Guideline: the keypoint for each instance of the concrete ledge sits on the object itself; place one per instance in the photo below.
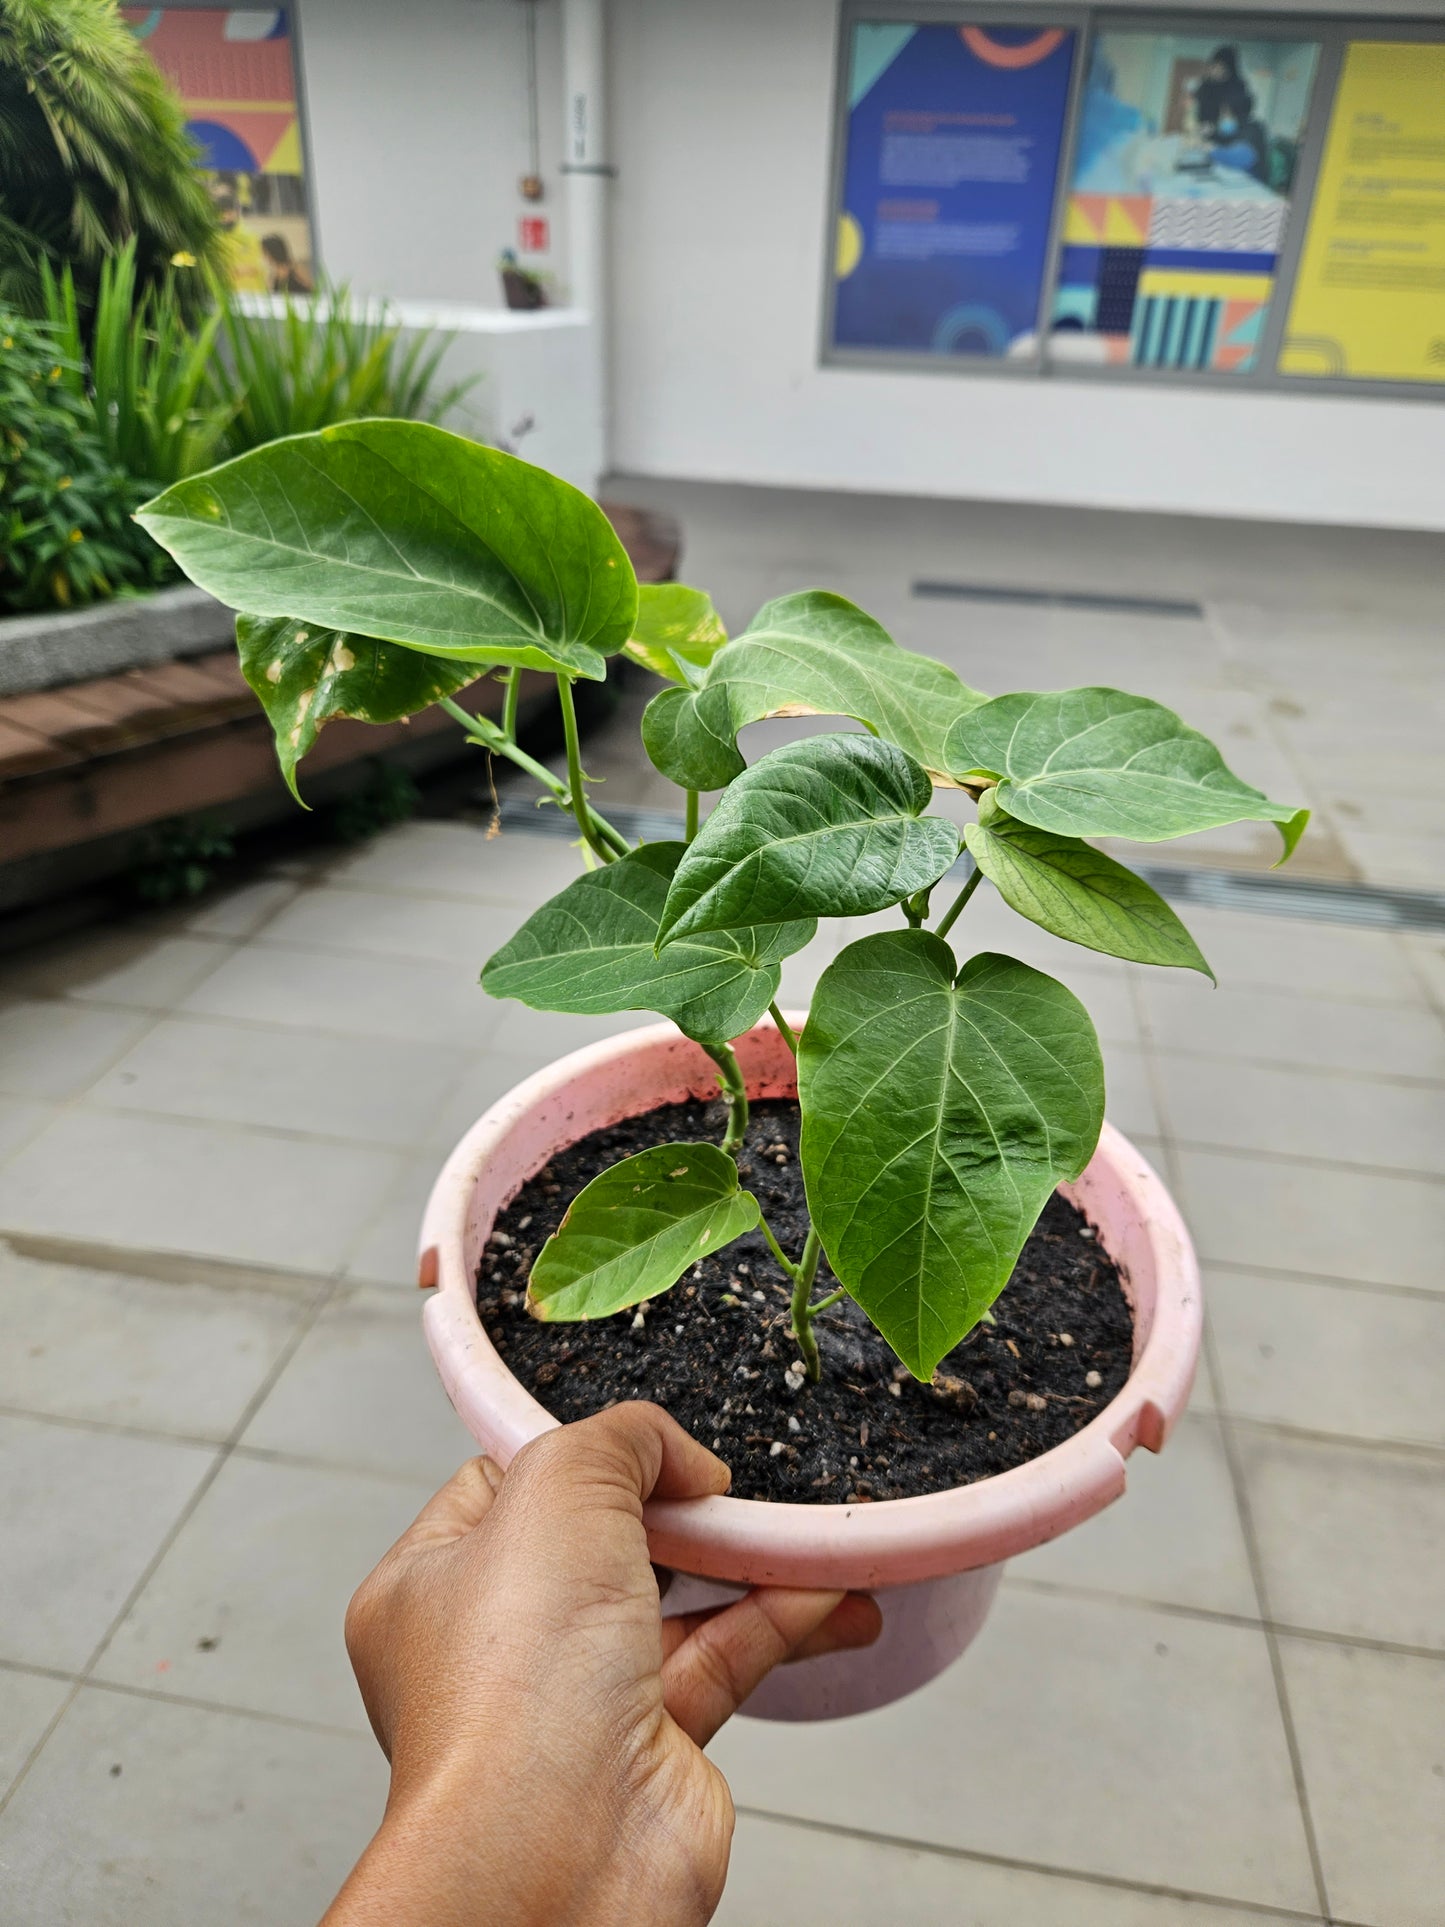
(48, 651)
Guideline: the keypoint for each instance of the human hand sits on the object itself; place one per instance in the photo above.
(544, 1724)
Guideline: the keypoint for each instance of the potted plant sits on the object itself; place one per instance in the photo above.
(886, 1256)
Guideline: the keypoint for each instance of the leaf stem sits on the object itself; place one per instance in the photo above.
(509, 703)
(950, 915)
(826, 1304)
(785, 1029)
(804, 1272)
(693, 799)
(790, 1270)
(576, 782)
(483, 730)
(730, 1077)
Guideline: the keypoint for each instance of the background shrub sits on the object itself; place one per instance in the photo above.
(66, 536)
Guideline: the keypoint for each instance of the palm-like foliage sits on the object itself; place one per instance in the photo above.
(93, 150)
(146, 371)
(322, 360)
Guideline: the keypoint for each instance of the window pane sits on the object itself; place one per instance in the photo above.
(953, 142)
(1183, 169)
(1369, 297)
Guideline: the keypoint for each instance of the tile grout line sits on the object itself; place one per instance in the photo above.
(154, 1693)
(1113, 1883)
(1243, 1510)
(304, 1325)
(1210, 1615)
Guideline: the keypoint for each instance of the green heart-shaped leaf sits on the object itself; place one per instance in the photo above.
(636, 1229)
(811, 654)
(1077, 892)
(1097, 762)
(404, 532)
(829, 827)
(677, 632)
(688, 735)
(939, 1113)
(592, 949)
(306, 677)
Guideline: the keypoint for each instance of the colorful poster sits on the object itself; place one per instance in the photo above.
(233, 70)
(1183, 168)
(1369, 295)
(953, 144)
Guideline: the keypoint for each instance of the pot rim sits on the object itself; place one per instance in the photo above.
(889, 1541)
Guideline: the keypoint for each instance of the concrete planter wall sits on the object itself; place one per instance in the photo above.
(49, 651)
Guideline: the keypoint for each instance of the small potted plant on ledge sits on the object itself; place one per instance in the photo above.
(885, 1256)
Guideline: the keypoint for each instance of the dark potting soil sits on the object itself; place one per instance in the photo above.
(716, 1348)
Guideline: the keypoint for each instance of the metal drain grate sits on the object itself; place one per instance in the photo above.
(1367, 906)
(1126, 605)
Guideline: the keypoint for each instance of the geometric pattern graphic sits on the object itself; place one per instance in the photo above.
(233, 70)
(1184, 157)
(1107, 220)
(1230, 227)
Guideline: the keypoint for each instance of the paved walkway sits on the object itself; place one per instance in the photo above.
(1220, 1702)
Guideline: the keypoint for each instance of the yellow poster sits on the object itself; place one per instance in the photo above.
(1369, 298)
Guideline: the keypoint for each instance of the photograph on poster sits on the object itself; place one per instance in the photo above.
(234, 71)
(953, 139)
(1369, 294)
(1183, 168)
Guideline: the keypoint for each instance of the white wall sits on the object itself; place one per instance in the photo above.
(721, 114)
(417, 114)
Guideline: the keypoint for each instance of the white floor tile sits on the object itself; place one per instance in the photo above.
(54, 1050)
(1369, 1727)
(143, 1812)
(1174, 1537)
(201, 1189)
(1101, 1738)
(116, 1349)
(262, 1571)
(784, 1875)
(81, 1515)
(1351, 1538)
(1330, 1358)
(362, 1392)
(374, 1089)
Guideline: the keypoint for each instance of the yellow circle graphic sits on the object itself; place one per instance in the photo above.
(850, 246)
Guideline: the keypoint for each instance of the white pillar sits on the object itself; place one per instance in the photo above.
(585, 164)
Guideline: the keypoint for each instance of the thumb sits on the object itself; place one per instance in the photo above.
(461, 1505)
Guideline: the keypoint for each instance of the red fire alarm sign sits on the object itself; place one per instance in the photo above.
(533, 236)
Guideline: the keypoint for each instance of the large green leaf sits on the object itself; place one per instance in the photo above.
(813, 654)
(1098, 762)
(1077, 892)
(938, 1116)
(306, 677)
(677, 632)
(832, 826)
(404, 532)
(593, 949)
(636, 1229)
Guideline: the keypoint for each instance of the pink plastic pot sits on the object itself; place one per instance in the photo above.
(934, 1562)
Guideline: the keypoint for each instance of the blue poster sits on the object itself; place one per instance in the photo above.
(948, 186)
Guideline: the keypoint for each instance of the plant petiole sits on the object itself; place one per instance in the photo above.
(693, 800)
(576, 781)
(730, 1077)
(483, 730)
(951, 914)
(509, 704)
(785, 1029)
(804, 1272)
